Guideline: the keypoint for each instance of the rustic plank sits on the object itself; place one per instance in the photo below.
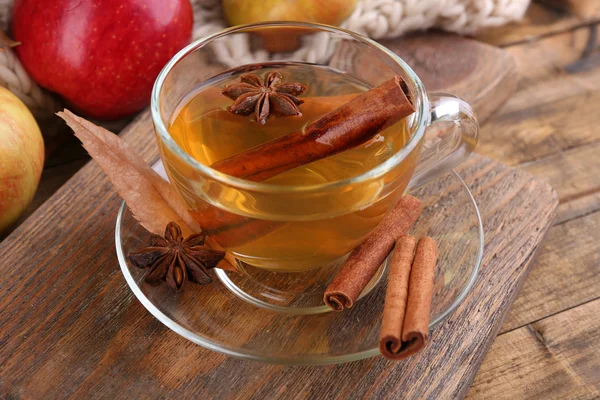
(483, 75)
(578, 207)
(53, 177)
(574, 175)
(566, 273)
(555, 358)
(585, 9)
(91, 336)
(552, 120)
(554, 107)
(541, 20)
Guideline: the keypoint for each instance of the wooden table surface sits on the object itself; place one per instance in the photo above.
(549, 346)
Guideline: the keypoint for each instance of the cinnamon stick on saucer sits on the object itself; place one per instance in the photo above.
(365, 259)
(405, 325)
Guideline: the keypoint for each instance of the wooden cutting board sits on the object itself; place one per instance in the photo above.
(481, 74)
(70, 326)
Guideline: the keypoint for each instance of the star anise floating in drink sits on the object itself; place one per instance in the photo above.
(174, 259)
(264, 98)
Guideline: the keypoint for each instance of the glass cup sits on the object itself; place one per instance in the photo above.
(286, 228)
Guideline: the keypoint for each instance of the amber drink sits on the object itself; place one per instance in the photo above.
(287, 225)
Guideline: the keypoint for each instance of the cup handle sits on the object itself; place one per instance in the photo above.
(449, 139)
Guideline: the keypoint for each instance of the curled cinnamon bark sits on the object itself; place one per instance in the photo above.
(365, 259)
(397, 295)
(231, 230)
(405, 325)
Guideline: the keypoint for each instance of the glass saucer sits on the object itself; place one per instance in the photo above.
(219, 317)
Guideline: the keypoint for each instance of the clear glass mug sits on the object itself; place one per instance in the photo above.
(287, 228)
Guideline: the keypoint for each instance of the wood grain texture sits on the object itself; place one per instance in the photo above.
(554, 107)
(549, 127)
(541, 20)
(483, 75)
(555, 358)
(91, 336)
(584, 9)
(574, 174)
(566, 273)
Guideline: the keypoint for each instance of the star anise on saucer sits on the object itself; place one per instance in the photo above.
(174, 259)
(264, 98)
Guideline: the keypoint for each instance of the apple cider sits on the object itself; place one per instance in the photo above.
(291, 227)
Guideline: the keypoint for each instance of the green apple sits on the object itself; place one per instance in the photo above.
(21, 157)
(330, 12)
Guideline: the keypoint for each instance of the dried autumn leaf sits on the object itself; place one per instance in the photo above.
(151, 199)
(5, 40)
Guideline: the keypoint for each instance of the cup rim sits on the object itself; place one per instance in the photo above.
(422, 113)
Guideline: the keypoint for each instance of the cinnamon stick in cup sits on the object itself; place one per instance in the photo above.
(365, 259)
(231, 230)
(405, 325)
(344, 128)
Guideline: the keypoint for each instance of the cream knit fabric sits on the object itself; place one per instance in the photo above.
(391, 18)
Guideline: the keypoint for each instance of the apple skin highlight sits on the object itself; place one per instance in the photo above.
(101, 56)
(21, 158)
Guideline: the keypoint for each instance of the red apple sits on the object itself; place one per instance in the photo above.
(21, 157)
(102, 56)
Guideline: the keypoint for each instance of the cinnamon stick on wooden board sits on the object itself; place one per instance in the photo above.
(344, 128)
(405, 325)
(365, 259)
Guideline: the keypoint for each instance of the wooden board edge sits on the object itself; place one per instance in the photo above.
(508, 83)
